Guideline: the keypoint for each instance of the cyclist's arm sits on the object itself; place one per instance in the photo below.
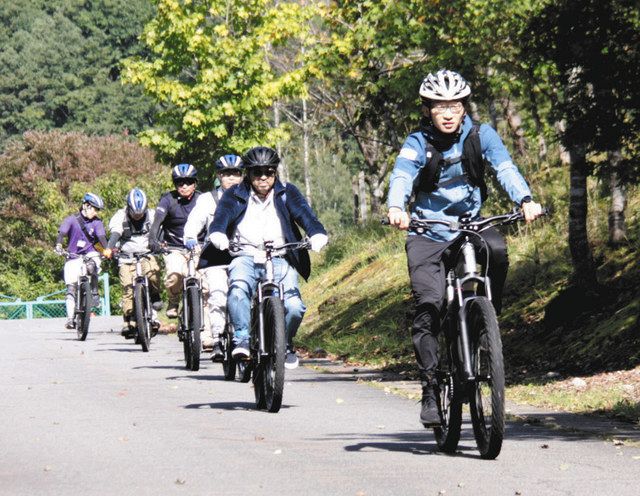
(115, 228)
(409, 162)
(503, 167)
(198, 217)
(223, 214)
(158, 219)
(302, 212)
(64, 230)
(101, 234)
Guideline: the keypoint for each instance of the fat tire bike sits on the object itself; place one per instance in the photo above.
(470, 362)
(268, 344)
(191, 318)
(83, 303)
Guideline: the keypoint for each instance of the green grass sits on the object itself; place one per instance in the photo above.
(359, 303)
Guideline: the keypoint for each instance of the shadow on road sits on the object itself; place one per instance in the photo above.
(197, 377)
(230, 405)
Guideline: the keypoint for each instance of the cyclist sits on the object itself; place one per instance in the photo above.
(129, 233)
(86, 235)
(229, 173)
(259, 209)
(171, 215)
(444, 170)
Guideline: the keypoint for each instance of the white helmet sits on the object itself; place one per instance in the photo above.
(444, 85)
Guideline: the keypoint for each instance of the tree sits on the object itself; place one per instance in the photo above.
(209, 69)
(59, 67)
(594, 50)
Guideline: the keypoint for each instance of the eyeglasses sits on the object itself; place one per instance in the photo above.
(441, 108)
(263, 171)
(232, 172)
(184, 182)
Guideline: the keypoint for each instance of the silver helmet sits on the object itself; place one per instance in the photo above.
(444, 85)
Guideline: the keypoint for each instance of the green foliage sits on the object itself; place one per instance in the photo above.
(210, 68)
(43, 178)
(59, 66)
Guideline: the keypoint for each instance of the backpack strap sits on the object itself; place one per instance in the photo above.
(473, 162)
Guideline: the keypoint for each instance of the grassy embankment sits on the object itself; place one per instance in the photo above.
(359, 308)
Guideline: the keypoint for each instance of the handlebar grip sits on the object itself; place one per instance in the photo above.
(385, 222)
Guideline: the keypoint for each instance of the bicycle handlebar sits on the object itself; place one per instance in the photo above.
(235, 246)
(468, 224)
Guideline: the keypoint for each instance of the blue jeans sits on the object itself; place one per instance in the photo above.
(244, 275)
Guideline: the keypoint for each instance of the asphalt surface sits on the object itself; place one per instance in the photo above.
(102, 417)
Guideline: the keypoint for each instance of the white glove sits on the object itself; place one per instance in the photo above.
(219, 240)
(318, 241)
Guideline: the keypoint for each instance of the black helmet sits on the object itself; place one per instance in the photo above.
(261, 156)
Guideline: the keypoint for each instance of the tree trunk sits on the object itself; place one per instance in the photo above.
(362, 193)
(584, 272)
(493, 114)
(565, 156)
(356, 199)
(305, 147)
(284, 170)
(617, 223)
(515, 126)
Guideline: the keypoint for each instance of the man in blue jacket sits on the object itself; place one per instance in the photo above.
(260, 209)
(445, 172)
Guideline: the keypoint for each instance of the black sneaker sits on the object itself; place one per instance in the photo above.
(291, 360)
(155, 327)
(429, 415)
(70, 324)
(157, 305)
(217, 355)
(128, 332)
(241, 350)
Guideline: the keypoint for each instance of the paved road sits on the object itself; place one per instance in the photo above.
(101, 417)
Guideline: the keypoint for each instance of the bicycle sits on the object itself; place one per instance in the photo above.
(470, 362)
(268, 337)
(146, 326)
(191, 318)
(83, 303)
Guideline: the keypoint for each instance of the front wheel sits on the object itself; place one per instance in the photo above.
(142, 316)
(193, 313)
(487, 392)
(449, 398)
(272, 364)
(228, 363)
(83, 310)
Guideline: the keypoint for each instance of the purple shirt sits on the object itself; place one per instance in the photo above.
(79, 244)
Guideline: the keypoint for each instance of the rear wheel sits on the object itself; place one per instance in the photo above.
(194, 317)
(142, 316)
(83, 310)
(449, 398)
(487, 393)
(272, 365)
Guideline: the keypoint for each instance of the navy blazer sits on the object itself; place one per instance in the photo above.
(292, 209)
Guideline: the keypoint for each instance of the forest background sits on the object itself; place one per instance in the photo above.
(104, 95)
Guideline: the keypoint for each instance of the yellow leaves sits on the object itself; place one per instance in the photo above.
(193, 118)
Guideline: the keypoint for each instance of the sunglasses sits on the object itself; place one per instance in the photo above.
(184, 182)
(229, 173)
(262, 171)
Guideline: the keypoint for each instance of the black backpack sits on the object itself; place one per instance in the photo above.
(473, 164)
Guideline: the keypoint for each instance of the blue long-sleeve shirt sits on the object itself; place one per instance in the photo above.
(454, 195)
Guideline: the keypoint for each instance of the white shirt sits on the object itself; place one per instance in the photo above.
(259, 224)
(202, 215)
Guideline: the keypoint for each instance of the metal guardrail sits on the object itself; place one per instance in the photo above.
(44, 308)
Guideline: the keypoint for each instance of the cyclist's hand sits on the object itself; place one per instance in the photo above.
(190, 244)
(154, 246)
(318, 242)
(219, 240)
(58, 249)
(107, 253)
(398, 218)
(531, 210)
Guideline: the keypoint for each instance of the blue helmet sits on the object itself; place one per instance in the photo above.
(136, 202)
(184, 171)
(93, 200)
(229, 162)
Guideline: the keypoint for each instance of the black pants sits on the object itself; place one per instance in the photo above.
(428, 263)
